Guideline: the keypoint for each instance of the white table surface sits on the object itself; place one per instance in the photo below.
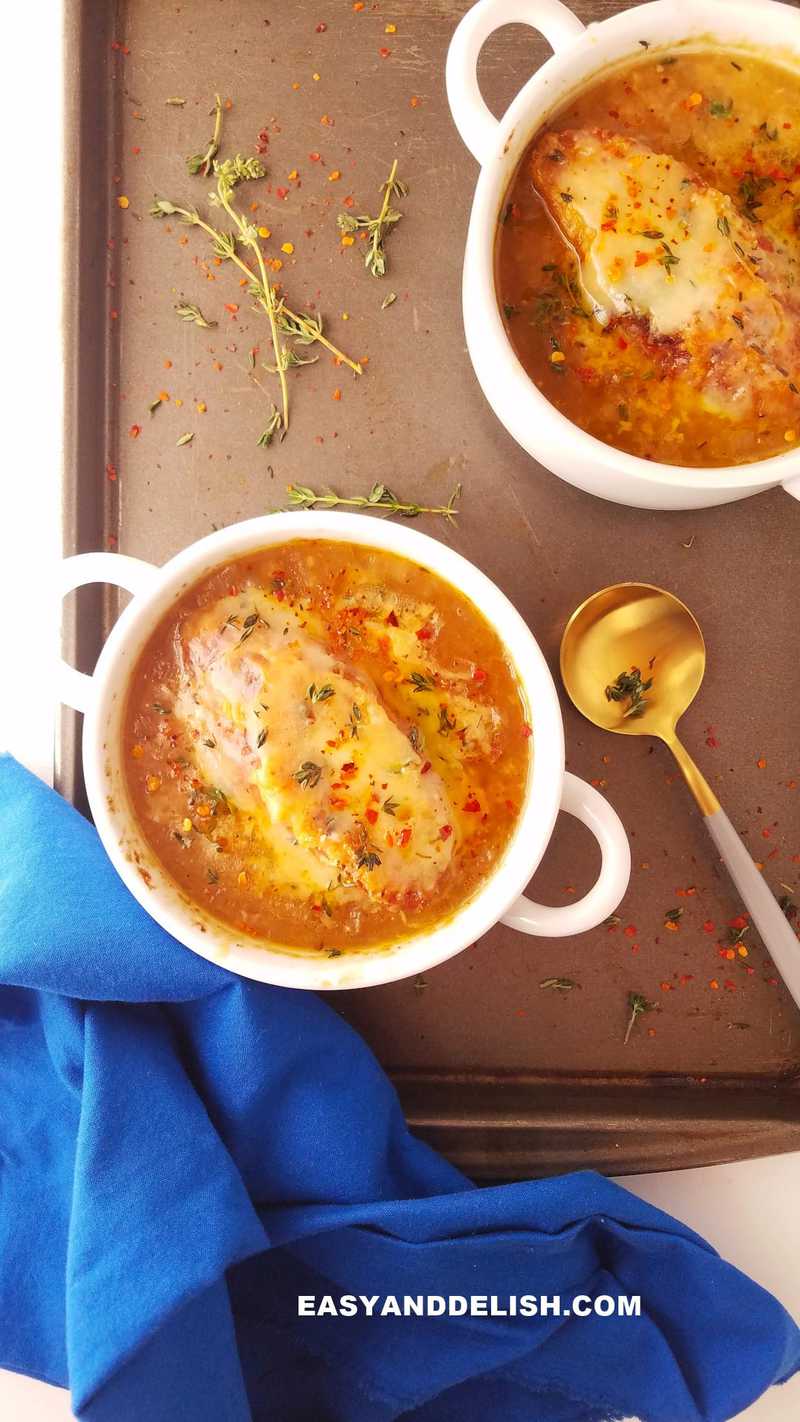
(748, 1211)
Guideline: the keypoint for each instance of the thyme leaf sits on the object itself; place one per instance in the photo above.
(202, 162)
(187, 311)
(630, 687)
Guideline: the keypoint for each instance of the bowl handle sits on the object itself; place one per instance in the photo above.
(133, 574)
(581, 800)
(474, 121)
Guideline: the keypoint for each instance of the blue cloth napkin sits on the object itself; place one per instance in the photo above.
(183, 1154)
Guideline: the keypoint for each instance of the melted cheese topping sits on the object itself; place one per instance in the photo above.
(301, 743)
(655, 242)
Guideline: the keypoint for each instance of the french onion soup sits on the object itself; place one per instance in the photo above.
(326, 746)
(648, 258)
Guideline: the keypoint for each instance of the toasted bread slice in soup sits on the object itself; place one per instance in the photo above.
(656, 245)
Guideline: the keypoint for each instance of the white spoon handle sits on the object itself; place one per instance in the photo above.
(776, 932)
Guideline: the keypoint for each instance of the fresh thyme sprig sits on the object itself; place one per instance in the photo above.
(204, 162)
(378, 227)
(379, 498)
(282, 320)
(638, 1005)
(629, 686)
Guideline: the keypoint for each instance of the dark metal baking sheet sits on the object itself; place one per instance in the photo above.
(508, 1079)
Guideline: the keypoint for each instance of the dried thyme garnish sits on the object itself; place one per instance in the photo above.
(637, 1005)
(308, 775)
(629, 686)
(559, 984)
(319, 693)
(203, 162)
(378, 227)
(420, 682)
(380, 498)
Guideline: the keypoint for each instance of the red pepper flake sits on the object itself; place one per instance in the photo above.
(405, 836)
(739, 922)
(384, 52)
(321, 27)
(666, 987)
(445, 831)
(315, 157)
(327, 121)
(135, 431)
(712, 742)
(232, 306)
(392, 620)
(709, 926)
(425, 634)
(479, 674)
(471, 806)
(527, 730)
(630, 930)
(349, 767)
(415, 101)
(425, 767)
(730, 985)
(714, 984)
(765, 833)
(282, 193)
(371, 816)
(622, 343)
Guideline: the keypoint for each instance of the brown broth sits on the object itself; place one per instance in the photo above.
(381, 623)
(742, 138)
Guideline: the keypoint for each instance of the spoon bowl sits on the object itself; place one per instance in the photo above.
(633, 625)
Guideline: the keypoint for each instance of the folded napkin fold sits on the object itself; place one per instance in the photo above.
(183, 1154)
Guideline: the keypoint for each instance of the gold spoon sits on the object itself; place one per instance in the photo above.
(635, 626)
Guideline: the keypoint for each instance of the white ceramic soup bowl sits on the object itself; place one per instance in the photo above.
(101, 697)
(579, 53)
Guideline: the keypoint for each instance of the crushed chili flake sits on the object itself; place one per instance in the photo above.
(321, 27)
(135, 431)
(471, 806)
(384, 52)
(415, 101)
(445, 831)
(425, 767)
(405, 836)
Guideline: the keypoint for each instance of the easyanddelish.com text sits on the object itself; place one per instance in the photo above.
(468, 1305)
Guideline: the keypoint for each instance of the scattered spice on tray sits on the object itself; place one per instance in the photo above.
(185, 439)
(559, 984)
(203, 163)
(672, 919)
(377, 228)
(637, 1006)
(175, 103)
(380, 499)
(630, 687)
(187, 311)
(283, 322)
